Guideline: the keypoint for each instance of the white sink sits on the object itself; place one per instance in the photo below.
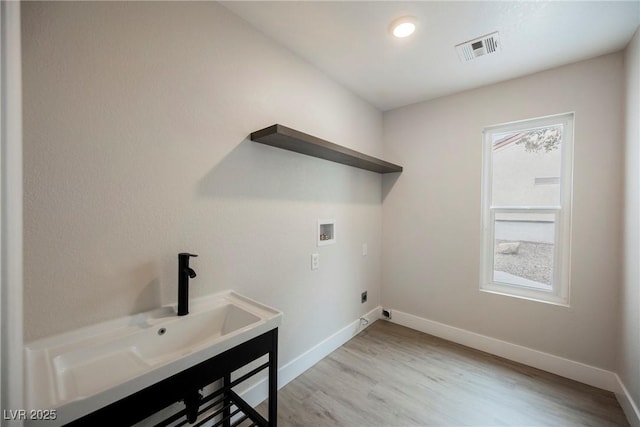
(83, 370)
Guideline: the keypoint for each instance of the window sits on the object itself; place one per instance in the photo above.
(526, 208)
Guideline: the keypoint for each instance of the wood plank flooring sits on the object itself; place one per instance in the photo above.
(390, 375)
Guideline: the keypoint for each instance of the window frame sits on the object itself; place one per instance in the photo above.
(561, 279)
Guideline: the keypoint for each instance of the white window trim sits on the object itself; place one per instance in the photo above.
(11, 307)
(562, 261)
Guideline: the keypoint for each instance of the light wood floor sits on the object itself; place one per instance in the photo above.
(390, 375)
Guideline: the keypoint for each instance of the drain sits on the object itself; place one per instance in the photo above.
(162, 331)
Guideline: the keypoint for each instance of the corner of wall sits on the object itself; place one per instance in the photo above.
(258, 392)
(11, 307)
(627, 403)
(629, 348)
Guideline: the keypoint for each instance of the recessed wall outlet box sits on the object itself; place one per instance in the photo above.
(386, 313)
(315, 261)
(363, 297)
(326, 231)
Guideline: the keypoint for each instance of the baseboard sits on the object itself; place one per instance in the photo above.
(567, 368)
(255, 394)
(629, 406)
(577, 371)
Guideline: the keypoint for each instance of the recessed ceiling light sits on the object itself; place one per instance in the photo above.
(403, 27)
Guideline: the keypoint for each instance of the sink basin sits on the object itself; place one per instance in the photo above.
(80, 371)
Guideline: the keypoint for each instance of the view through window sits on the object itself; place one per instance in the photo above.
(526, 212)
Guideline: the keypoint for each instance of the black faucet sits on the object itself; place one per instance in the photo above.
(184, 274)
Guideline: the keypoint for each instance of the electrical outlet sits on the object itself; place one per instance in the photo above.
(365, 249)
(363, 297)
(315, 261)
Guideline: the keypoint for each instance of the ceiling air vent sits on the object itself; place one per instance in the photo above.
(484, 45)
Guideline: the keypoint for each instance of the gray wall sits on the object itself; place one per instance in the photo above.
(629, 367)
(136, 117)
(431, 214)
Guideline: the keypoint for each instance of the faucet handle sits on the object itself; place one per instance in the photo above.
(185, 254)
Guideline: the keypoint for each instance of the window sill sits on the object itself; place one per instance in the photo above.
(529, 296)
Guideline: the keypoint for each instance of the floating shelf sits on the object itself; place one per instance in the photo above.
(293, 140)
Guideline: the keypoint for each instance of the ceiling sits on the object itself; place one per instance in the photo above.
(350, 41)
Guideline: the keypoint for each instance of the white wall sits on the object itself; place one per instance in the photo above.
(136, 117)
(629, 366)
(431, 213)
